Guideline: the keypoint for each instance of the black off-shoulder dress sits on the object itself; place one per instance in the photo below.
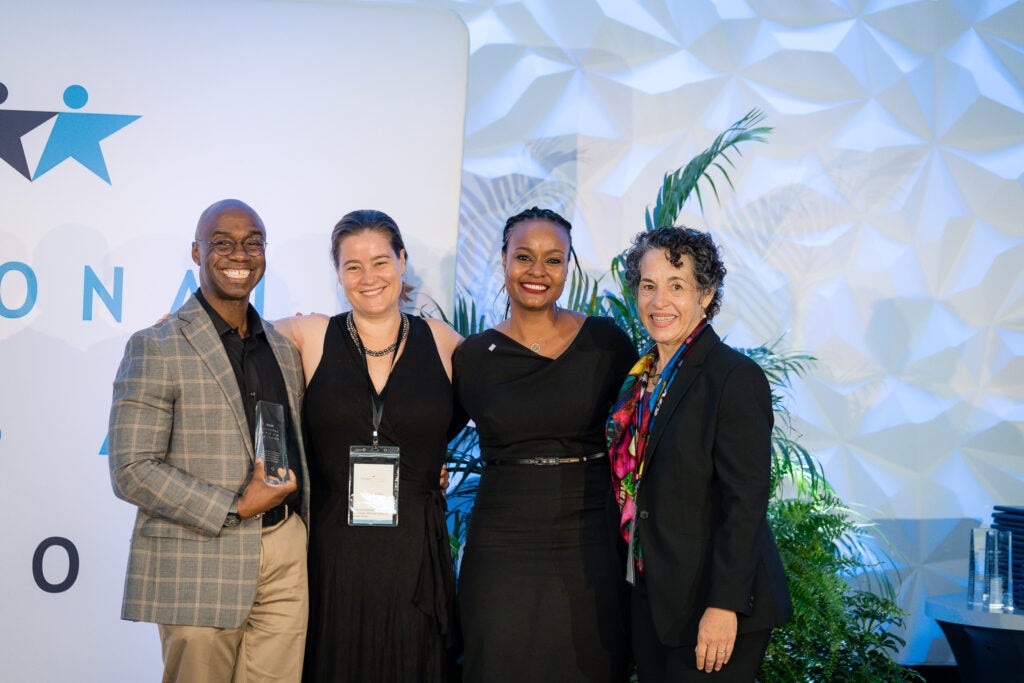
(541, 588)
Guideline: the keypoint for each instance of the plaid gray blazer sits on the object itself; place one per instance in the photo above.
(179, 450)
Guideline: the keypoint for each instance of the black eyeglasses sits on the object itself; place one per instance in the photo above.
(253, 246)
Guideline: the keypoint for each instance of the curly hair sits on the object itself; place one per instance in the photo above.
(708, 269)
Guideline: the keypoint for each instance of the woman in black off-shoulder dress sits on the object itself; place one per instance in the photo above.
(541, 586)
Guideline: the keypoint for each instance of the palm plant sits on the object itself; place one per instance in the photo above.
(678, 185)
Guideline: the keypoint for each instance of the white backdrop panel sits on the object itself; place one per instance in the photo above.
(879, 229)
(306, 111)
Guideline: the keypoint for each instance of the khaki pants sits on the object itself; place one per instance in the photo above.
(270, 645)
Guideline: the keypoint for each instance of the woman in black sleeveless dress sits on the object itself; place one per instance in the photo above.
(373, 590)
(381, 597)
(542, 588)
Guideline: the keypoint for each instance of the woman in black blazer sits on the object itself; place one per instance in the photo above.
(690, 445)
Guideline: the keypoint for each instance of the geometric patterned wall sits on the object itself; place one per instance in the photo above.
(880, 229)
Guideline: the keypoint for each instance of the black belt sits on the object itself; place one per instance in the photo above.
(275, 516)
(545, 460)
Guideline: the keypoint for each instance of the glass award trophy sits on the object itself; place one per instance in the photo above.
(990, 572)
(271, 445)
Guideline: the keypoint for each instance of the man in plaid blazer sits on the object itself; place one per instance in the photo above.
(218, 554)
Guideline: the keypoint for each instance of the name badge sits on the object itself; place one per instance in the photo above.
(373, 486)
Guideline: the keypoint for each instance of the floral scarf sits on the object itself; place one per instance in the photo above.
(629, 427)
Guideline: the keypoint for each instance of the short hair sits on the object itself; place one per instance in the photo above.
(708, 269)
(363, 220)
(366, 220)
(213, 212)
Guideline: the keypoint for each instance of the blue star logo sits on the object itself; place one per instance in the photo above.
(75, 135)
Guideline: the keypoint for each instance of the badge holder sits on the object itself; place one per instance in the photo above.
(373, 486)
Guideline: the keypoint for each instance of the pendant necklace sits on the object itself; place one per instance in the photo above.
(535, 346)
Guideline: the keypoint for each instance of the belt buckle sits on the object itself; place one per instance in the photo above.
(547, 460)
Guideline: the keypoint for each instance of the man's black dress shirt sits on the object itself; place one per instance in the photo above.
(258, 374)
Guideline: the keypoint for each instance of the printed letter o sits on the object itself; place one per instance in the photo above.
(37, 564)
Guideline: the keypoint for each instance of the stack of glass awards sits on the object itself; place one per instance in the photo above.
(989, 580)
(990, 575)
(1011, 520)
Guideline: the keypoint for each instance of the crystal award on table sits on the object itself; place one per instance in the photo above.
(271, 446)
(990, 572)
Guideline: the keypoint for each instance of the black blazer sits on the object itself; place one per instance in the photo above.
(702, 501)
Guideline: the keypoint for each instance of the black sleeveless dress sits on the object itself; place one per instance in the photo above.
(542, 591)
(381, 598)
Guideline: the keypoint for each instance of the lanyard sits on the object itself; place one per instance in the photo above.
(634, 555)
(653, 404)
(378, 406)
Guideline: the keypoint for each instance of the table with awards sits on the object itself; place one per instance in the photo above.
(1010, 518)
(985, 625)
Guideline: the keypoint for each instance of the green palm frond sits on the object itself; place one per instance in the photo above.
(464, 318)
(792, 464)
(621, 306)
(779, 366)
(678, 185)
(583, 294)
